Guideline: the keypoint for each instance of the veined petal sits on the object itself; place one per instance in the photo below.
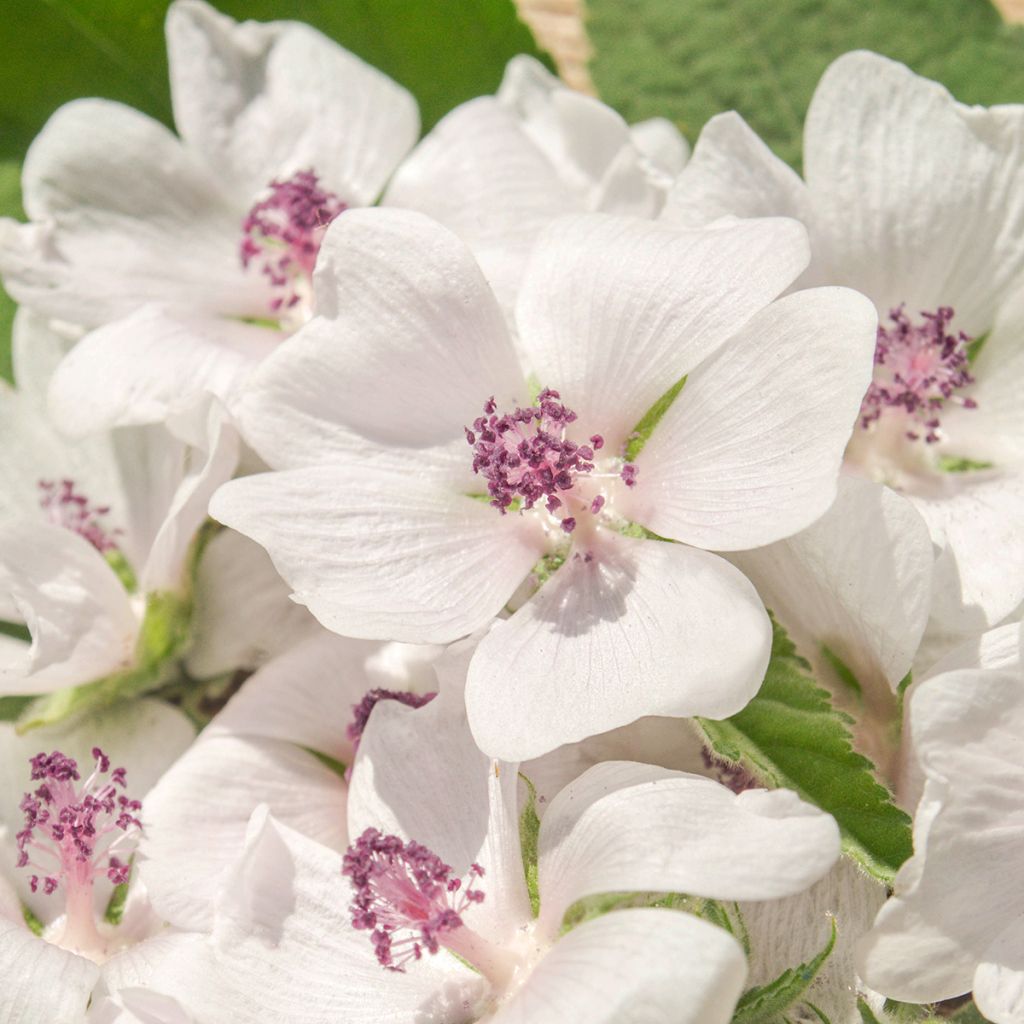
(120, 199)
(634, 967)
(624, 629)
(262, 101)
(613, 311)
(384, 554)
(407, 346)
(151, 364)
(197, 816)
(624, 826)
(750, 451)
(999, 979)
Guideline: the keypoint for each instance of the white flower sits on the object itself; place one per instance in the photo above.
(68, 877)
(92, 534)
(918, 202)
(497, 170)
(173, 243)
(383, 529)
(953, 924)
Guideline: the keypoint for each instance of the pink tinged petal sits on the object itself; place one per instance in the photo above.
(381, 553)
(478, 173)
(120, 199)
(282, 947)
(76, 609)
(198, 813)
(948, 227)
(963, 885)
(624, 826)
(206, 466)
(750, 451)
(634, 967)
(151, 364)
(407, 345)
(463, 806)
(42, 982)
(641, 628)
(613, 311)
(304, 696)
(733, 173)
(265, 100)
(979, 575)
(858, 581)
(999, 980)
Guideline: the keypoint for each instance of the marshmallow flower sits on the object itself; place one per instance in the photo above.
(93, 535)
(435, 868)
(432, 473)
(64, 844)
(498, 169)
(933, 234)
(196, 251)
(953, 924)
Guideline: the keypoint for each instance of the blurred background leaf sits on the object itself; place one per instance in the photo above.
(690, 59)
(444, 52)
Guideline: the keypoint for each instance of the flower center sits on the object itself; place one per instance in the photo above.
(918, 368)
(526, 458)
(71, 509)
(72, 835)
(281, 235)
(406, 897)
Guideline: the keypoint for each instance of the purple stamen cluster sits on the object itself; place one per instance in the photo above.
(69, 508)
(405, 896)
(70, 825)
(734, 776)
(525, 455)
(918, 367)
(283, 232)
(361, 711)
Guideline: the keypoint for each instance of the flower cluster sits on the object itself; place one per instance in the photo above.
(535, 508)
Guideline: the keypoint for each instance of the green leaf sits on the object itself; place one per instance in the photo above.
(643, 430)
(790, 735)
(529, 834)
(444, 53)
(866, 1016)
(689, 61)
(843, 671)
(11, 708)
(10, 206)
(761, 1005)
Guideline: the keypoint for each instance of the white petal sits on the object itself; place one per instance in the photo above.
(732, 172)
(624, 827)
(75, 607)
(858, 581)
(999, 980)
(997, 649)
(42, 982)
(634, 967)
(121, 200)
(205, 470)
(145, 737)
(901, 218)
(242, 613)
(462, 805)
(979, 576)
(408, 345)
(480, 175)
(262, 101)
(146, 366)
(963, 885)
(197, 817)
(642, 628)
(613, 311)
(305, 696)
(750, 451)
(383, 554)
(661, 142)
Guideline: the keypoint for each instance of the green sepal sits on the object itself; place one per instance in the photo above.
(650, 419)
(763, 1004)
(118, 898)
(529, 835)
(11, 708)
(791, 736)
(955, 464)
(843, 671)
(122, 570)
(34, 925)
(338, 767)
